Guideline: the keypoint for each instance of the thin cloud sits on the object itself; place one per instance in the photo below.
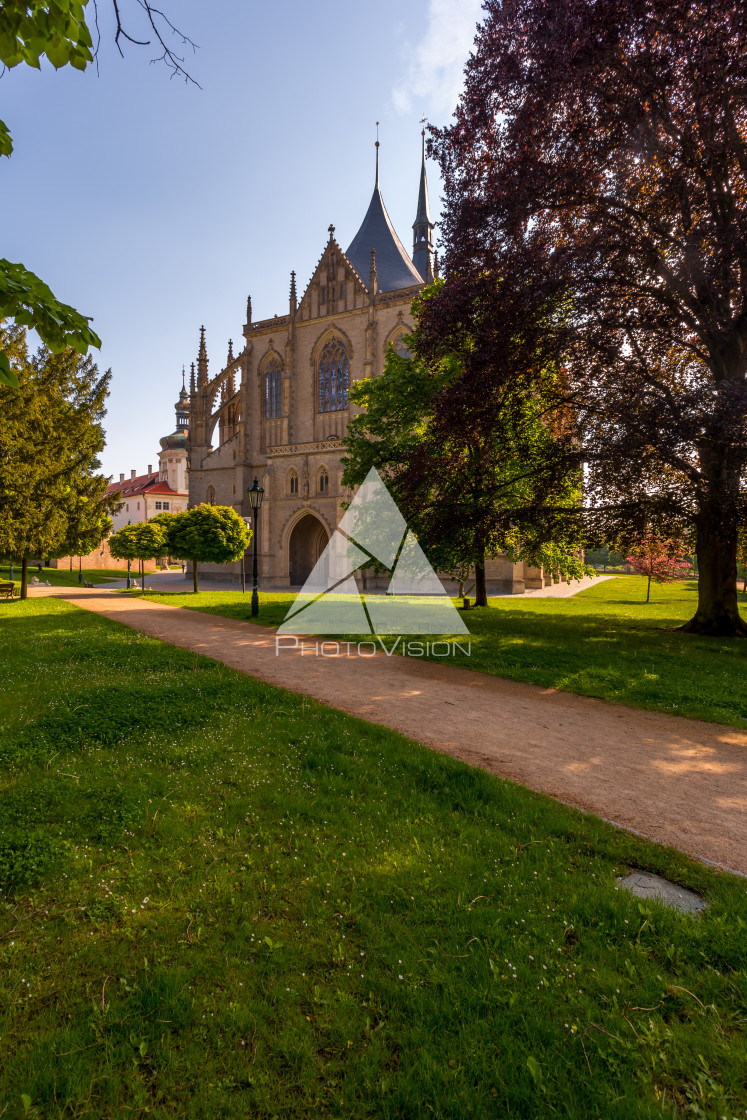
(434, 76)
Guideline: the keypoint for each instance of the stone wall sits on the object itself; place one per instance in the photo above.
(101, 558)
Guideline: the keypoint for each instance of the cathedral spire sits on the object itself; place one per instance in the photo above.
(248, 310)
(376, 185)
(192, 388)
(395, 269)
(422, 227)
(293, 299)
(202, 360)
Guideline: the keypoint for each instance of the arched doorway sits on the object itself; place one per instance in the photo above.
(307, 543)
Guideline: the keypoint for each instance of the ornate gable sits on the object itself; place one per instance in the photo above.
(335, 285)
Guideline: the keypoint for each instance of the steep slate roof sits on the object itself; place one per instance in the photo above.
(393, 266)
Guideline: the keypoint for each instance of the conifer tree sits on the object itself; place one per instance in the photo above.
(52, 495)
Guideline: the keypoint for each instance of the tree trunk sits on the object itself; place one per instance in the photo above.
(194, 575)
(718, 610)
(24, 577)
(648, 589)
(481, 593)
(142, 576)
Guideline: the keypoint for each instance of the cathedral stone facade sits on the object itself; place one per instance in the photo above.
(279, 409)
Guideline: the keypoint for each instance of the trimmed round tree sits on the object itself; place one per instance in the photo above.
(142, 541)
(207, 535)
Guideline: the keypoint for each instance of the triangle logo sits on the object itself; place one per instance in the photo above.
(372, 528)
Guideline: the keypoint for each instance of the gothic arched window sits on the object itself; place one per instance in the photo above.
(333, 377)
(400, 347)
(210, 496)
(293, 483)
(272, 388)
(323, 481)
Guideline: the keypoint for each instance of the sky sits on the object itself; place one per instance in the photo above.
(155, 206)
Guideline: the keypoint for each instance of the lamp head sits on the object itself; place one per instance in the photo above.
(256, 493)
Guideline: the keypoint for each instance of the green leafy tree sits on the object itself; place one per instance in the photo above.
(471, 483)
(57, 30)
(208, 535)
(53, 497)
(142, 541)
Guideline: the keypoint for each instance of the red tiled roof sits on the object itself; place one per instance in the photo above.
(141, 484)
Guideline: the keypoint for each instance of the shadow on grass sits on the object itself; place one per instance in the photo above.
(254, 905)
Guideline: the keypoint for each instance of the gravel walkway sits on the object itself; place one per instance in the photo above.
(680, 781)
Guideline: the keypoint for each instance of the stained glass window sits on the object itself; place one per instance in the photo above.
(323, 482)
(401, 347)
(293, 483)
(273, 373)
(333, 377)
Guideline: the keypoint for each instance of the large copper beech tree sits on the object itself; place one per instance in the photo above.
(616, 130)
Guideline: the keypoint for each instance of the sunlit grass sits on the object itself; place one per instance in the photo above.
(59, 577)
(225, 900)
(605, 642)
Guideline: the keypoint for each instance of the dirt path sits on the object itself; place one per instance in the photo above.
(680, 781)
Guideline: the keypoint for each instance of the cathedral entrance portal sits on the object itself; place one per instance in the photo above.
(307, 543)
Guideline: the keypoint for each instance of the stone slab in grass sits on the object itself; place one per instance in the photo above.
(645, 885)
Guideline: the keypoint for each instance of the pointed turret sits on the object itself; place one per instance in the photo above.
(202, 361)
(395, 269)
(373, 276)
(230, 382)
(422, 227)
(293, 298)
(192, 387)
(248, 310)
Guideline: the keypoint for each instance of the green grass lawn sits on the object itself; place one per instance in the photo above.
(59, 577)
(225, 900)
(605, 642)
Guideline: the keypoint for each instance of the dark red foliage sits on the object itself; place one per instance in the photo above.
(613, 134)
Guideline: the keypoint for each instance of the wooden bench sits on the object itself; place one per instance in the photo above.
(7, 589)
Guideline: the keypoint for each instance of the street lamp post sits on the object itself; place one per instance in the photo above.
(129, 563)
(243, 557)
(80, 572)
(256, 493)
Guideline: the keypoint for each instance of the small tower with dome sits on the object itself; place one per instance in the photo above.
(172, 458)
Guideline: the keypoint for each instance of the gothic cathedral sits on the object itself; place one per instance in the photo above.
(278, 410)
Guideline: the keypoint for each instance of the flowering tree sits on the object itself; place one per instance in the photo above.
(658, 559)
(742, 556)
